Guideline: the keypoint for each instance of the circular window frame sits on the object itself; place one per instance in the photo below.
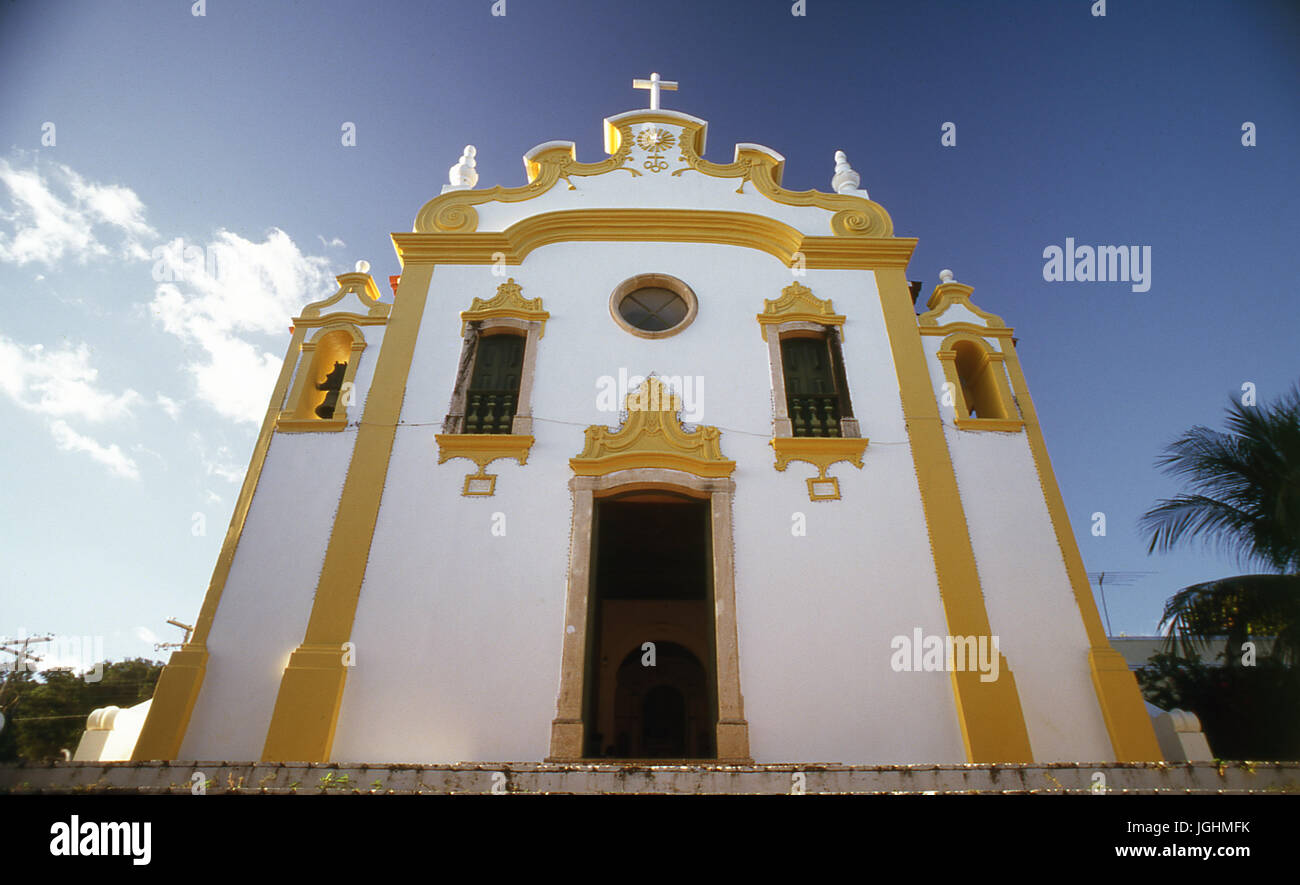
(659, 281)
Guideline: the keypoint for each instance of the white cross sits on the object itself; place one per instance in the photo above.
(654, 84)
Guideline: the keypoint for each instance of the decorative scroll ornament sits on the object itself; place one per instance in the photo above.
(508, 302)
(652, 436)
(798, 303)
(950, 293)
(853, 215)
(358, 283)
(654, 141)
(821, 452)
(482, 449)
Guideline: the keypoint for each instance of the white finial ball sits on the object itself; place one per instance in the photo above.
(463, 174)
(845, 180)
(945, 276)
(363, 266)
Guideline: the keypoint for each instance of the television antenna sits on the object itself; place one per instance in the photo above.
(1115, 579)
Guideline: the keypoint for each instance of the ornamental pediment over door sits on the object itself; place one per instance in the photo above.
(653, 436)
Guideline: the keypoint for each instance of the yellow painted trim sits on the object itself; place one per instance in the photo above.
(981, 331)
(798, 303)
(991, 361)
(482, 449)
(946, 295)
(300, 416)
(362, 285)
(989, 713)
(310, 425)
(652, 436)
(744, 229)
(852, 216)
(663, 281)
(832, 495)
(508, 302)
(821, 452)
(311, 691)
(178, 687)
(352, 319)
(468, 492)
(1132, 736)
(998, 425)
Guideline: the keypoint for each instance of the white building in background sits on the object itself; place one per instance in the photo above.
(649, 457)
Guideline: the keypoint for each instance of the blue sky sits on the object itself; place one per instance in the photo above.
(130, 404)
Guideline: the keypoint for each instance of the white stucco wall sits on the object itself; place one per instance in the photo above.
(1028, 596)
(263, 612)
(459, 632)
(1027, 591)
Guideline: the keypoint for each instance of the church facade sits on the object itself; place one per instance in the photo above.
(649, 458)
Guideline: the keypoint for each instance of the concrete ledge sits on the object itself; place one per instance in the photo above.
(647, 778)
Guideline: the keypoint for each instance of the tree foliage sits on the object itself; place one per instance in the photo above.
(1244, 499)
(46, 712)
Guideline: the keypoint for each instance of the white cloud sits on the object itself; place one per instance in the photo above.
(223, 466)
(224, 306)
(61, 383)
(57, 214)
(144, 634)
(168, 405)
(332, 242)
(111, 456)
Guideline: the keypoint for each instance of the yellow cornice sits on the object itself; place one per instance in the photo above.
(852, 216)
(508, 302)
(330, 319)
(359, 284)
(655, 225)
(652, 436)
(946, 295)
(309, 425)
(797, 303)
(981, 331)
(1003, 425)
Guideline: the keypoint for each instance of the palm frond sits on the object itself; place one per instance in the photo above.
(1236, 609)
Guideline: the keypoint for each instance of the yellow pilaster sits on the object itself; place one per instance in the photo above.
(1131, 734)
(992, 722)
(311, 691)
(178, 686)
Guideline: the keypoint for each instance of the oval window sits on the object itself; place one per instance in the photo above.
(653, 305)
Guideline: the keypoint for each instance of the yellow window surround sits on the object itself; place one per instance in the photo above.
(507, 312)
(331, 344)
(977, 376)
(800, 313)
(337, 338)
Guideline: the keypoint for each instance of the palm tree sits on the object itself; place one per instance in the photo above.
(1245, 500)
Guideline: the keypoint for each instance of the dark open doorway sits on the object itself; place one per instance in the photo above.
(651, 681)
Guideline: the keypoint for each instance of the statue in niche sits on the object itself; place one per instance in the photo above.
(332, 384)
